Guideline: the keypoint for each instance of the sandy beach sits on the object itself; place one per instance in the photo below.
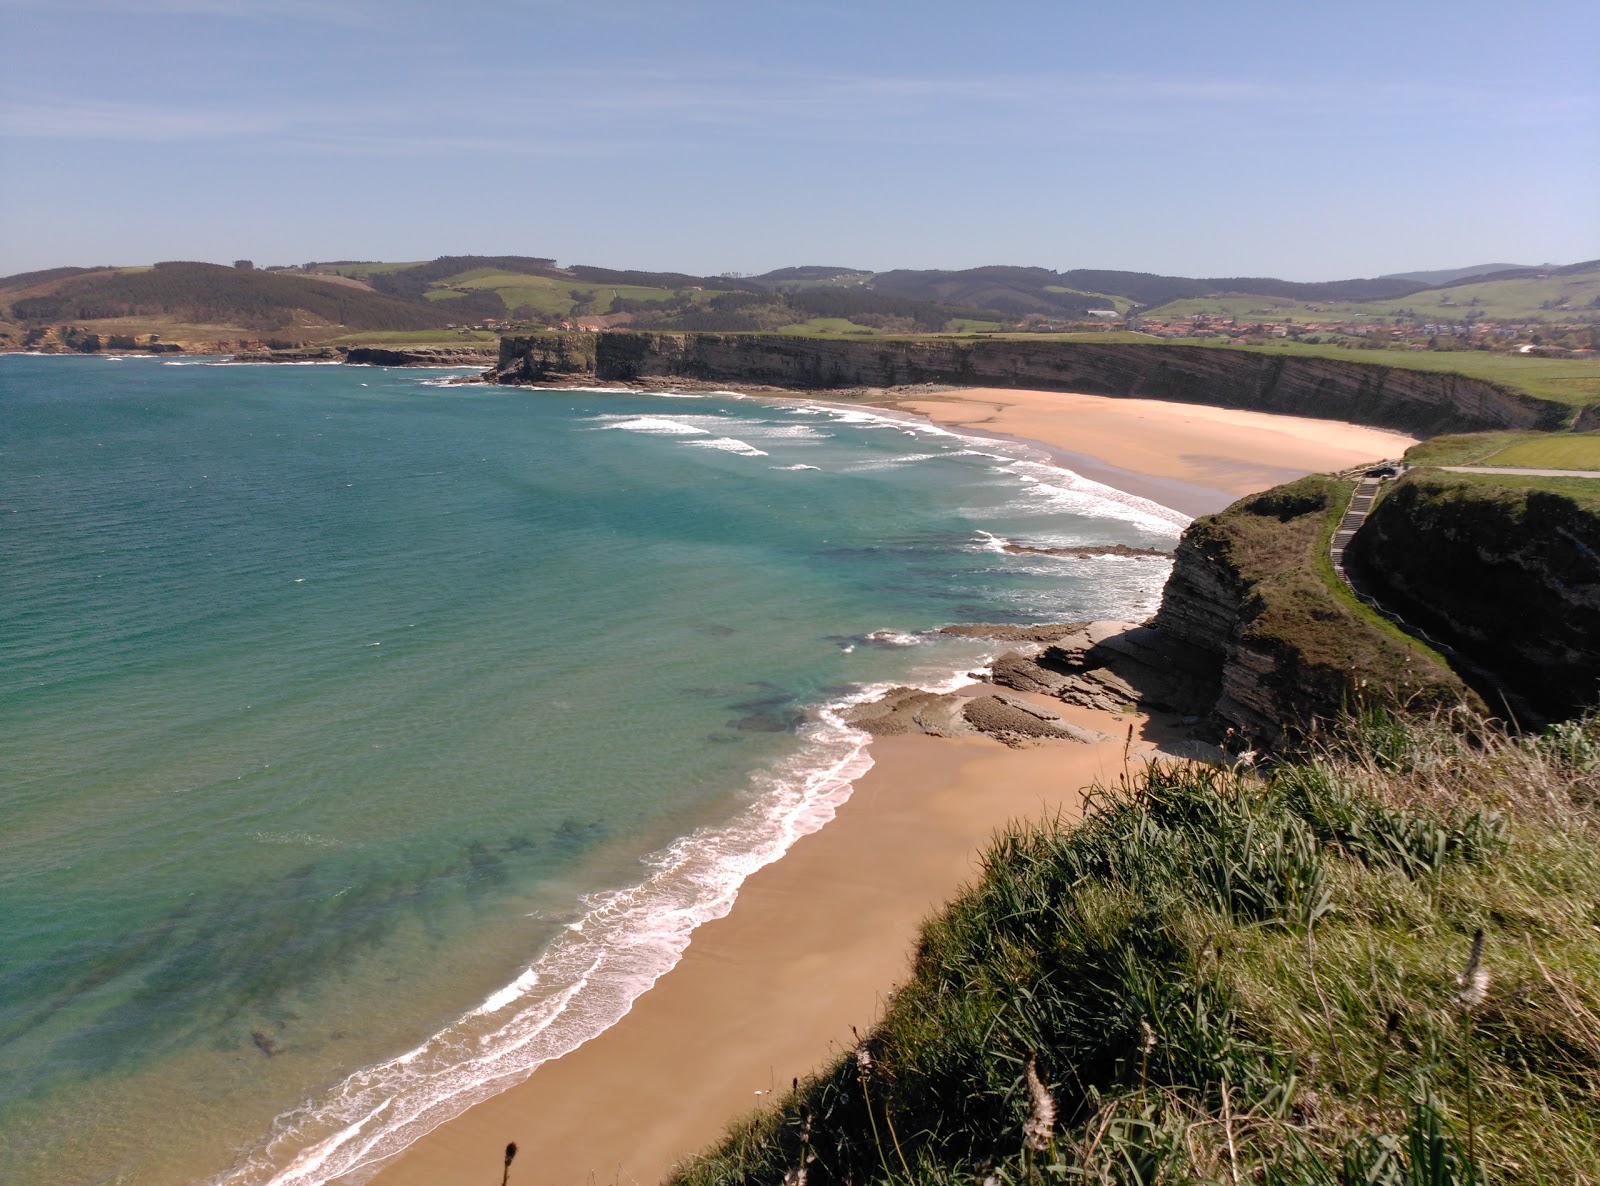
(771, 991)
(815, 941)
(1192, 457)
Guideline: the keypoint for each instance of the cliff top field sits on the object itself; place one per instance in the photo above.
(1531, 449)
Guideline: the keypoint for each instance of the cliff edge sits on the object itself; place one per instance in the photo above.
(1508, 575)
(1421, 402)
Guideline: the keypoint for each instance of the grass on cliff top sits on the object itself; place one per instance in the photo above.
(1539, 450)
(422, 337)
(1296, 610)
(1322, 563)
(1575, 382)
(1584, 491)
(1225, 977)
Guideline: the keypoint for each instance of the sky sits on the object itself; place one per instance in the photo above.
(1223, 138)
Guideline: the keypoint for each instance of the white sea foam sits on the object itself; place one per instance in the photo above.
(582, 983)
(1055, 488)
(892, 638)
(818, 468)
(730, 445)
(655, 426)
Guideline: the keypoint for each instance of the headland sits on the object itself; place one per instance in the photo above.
(815, 942)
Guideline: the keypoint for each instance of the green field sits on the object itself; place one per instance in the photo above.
(1577, 450)
(1468, 448)
(1583, 490)
(1549, 298)
(1570, 381)
(550, 296)
(825, 325)
(363, 270)
(421, 337)
(1246, 307)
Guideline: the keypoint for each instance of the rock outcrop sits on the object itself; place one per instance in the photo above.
(1009, 719)
(1116, 666)
(1508, 576)
(420, 356)
(1424, 402)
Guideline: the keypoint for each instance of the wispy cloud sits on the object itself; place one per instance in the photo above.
(576, 111)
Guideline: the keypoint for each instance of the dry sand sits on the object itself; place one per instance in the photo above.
(770, 992)
(1189, 456)
(816, 940)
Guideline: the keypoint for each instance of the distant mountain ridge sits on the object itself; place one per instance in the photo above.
(1446, 275)
(321, 302)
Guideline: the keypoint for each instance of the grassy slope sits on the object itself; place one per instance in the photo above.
(1298, 611)
(1548, 298)
(1532, 449)
(1224, 978)
(1585, 491)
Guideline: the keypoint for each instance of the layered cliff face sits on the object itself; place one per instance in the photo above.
(545, 358)
(1423, 402)
(1287, 651)
(1509, 576)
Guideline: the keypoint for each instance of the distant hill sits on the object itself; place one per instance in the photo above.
(209, 294)
(209, 305)
(1446, 275)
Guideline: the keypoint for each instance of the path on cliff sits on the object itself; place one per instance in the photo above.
(1487, 683)
(1529, 473)
(1355, 514)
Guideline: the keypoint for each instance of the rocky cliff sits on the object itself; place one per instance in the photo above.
(1423, 402)
(1250, 637)
(1246, 590)
(1508, 576)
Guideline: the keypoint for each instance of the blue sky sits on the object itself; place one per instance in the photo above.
(1310, 141)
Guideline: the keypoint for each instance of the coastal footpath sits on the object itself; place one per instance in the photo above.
(1422, 402)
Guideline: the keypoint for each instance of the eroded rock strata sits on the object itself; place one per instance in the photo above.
(1424, 402)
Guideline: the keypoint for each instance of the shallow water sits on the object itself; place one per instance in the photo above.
(365, 741)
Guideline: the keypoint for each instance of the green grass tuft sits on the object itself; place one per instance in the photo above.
(1226, 976)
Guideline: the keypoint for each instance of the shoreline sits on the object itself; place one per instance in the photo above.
(770, 991)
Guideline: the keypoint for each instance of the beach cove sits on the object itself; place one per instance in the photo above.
(814, 941)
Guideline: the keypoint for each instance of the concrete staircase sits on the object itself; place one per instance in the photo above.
(1355, 514)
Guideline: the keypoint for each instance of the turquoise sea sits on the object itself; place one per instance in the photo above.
(365, 741)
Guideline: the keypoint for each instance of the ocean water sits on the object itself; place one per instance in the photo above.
(365, 741)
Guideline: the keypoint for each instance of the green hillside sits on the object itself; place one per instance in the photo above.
(209, 294)
(1559, 294)
(207, 304)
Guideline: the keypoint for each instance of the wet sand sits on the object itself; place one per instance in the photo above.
(815, 941)
(770, 992)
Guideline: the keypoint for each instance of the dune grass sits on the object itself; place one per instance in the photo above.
(1375, 963)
